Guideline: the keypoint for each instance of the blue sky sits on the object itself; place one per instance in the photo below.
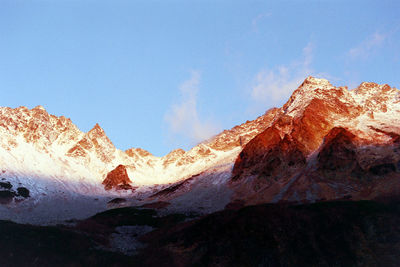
(166, 74)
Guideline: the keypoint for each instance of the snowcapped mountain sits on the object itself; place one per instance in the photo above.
(33, 138)
(326, 142)
(56, 162)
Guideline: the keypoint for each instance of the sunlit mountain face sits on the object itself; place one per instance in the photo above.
(323, 170)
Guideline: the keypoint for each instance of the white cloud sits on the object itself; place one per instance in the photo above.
(183, 118)
(276, 85)
(368, 46)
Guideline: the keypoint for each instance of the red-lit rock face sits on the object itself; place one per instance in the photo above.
(318, 118)
(269, 156)
(240, 135)
(324, 145)
(97, 141)
(305, 132)
(38, 127)
(117, 179)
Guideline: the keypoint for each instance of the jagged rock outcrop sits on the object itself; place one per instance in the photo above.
(95, 141)
(117, 179)
(8, 194)
(37, 127)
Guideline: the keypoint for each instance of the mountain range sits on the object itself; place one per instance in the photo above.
(315, 182)
(324, 143)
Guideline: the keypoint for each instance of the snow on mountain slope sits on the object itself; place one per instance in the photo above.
(295, 159)
(62, 166)
(59, 164)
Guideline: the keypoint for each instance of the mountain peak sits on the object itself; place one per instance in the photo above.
(95, 140)
(311, 88)
(316, 82)
(96, 130)
(97, 127)
(39, 107)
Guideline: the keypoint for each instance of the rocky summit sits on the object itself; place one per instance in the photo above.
(326, 143)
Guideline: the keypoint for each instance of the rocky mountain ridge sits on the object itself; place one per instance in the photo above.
(54, 160)
(326, 142)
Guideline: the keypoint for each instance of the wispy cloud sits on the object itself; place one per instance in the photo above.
(183, 118)
(367, 47)
(256, 21)
(271, 86)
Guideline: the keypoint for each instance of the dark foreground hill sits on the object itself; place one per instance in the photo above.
(340, 233)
